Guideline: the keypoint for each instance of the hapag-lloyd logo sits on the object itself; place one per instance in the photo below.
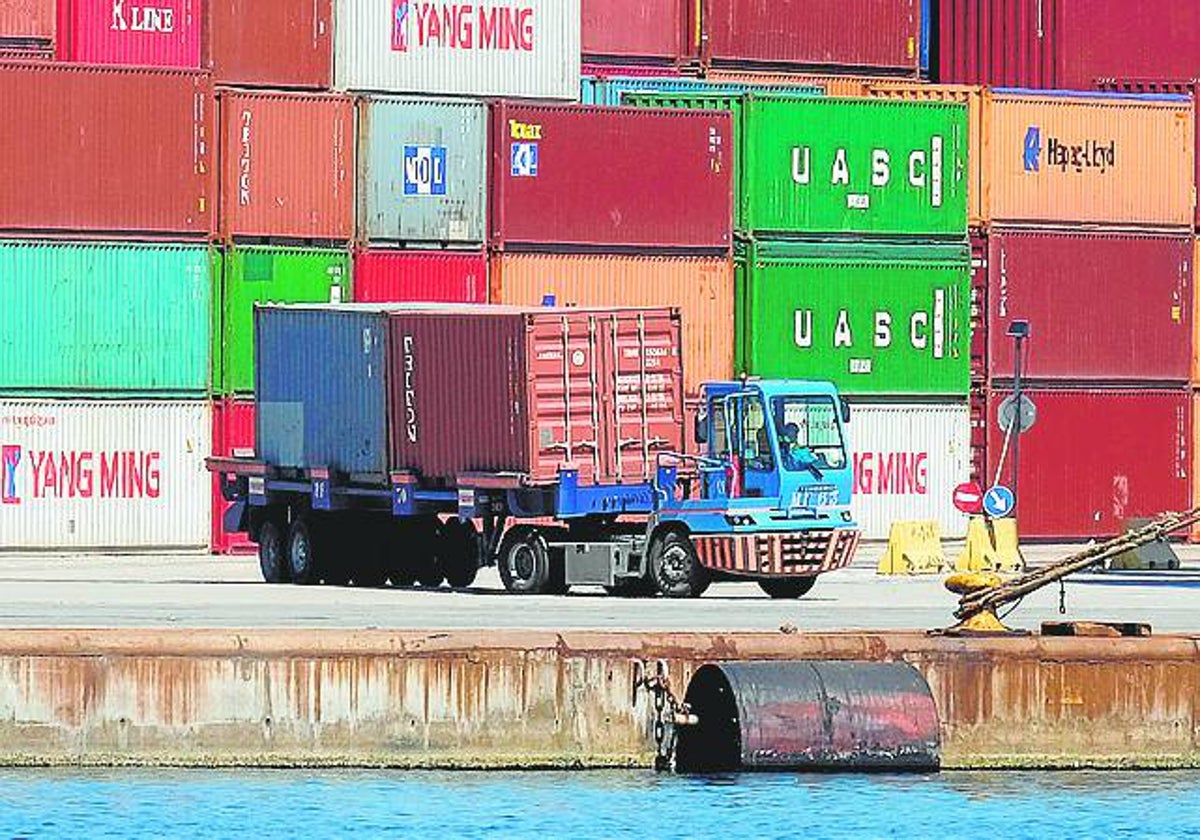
(1090, 154)
(133, 18)
(461, 26)
(37, 475)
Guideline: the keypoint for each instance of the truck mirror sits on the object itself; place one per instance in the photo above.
(701, 430)
(845, 406)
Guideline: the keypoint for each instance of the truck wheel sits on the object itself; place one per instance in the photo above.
(366, 542)
(460, 548)
(273, 552)
(429, 571)
(674, 567)
(787, 587)
(303, 551)
(524, 561)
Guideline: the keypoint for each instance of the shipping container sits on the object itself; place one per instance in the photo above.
(841, 85)
(613, 90)
(979, 307)
(908, 458)
(271, 43)
(874, 35)
(383, 276)
(165, 34)
(571, 177)
(232, 436)
(422, 174)
(660, 31)
(254, 275)
(444, 391)
(1195, 319)
(1096, 458)
(80, 154)
(104, 318)
(1101, 158)
(287, 165)
(28, 23)
(104, 475)
(1102, 307)
(702, 288)
(1066, 43)
(878, 320)
(530, 50)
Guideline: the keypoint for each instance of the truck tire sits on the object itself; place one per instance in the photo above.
(674, 567)
(273, 552)
(366, 541)
(524, 562)
(787, 587)
(304, 552)
(460, 548)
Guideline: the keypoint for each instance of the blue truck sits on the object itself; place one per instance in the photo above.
(595, 484)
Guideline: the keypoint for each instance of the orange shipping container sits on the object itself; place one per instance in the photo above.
(1196, 325)
(287, 165)
(702, 288)
(843, 86)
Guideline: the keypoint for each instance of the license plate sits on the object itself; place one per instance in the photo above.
(815, 497)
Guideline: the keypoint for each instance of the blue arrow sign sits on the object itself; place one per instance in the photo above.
(999, 501)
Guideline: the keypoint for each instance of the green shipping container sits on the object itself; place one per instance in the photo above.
(261, 274)
(882, 319)
(104, 319)
(805, 165)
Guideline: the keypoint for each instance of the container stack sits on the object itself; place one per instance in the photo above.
(27, 29)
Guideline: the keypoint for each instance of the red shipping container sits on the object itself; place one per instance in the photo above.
(652, 30)
(527, 392)
(434, 276)
(566, 176)
(979, 306)
(233, 434)
(1111, 307)
(874, 35)
(97, 149)
(287, 165)
(270, 43)
(165, 33)
(32, 22)
(1067, 44)
(1096, 458)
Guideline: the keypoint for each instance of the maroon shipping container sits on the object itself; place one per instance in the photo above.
(440, 276)
(650, 30)
(270, 43)
(287, 165)
(165, 33)
(567, 176)
(527, 392)
(233, 435)
(1095, 458)
(866, 35)
(1106, 307)
(31, 22)
(1067, 43)
(102, 149)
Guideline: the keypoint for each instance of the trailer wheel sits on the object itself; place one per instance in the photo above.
(273, 552)
(787, 587)
(674, 567)
(460, 549)
(303, 553)
(524, 561)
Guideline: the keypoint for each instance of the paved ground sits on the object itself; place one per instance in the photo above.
(202, 591)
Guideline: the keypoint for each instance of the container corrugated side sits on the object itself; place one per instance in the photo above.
(166, 33)
(529, 50)
(841, 85)
(104, 475)
(232, 436)
(1103, 159)
(422, 174)
(658, 31)
(263, 274)
(270, 43)
(30, 22)
(882, 320)
(81, 156)
(89, 318)
(702, 288)
(287, 165)
(613, 91)
(386, 276)
(908, 458)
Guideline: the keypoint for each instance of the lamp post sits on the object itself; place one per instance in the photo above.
(1018, 331)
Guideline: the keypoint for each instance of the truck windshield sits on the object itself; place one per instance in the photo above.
(808, 423)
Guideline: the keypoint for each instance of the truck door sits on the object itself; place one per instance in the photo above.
(751, 440)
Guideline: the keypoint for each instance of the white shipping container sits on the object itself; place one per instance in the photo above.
(527, 49)
(908, 458)
(104, 475)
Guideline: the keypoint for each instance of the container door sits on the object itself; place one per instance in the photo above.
(569, 418)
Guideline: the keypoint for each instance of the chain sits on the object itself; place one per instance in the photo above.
(1062, 597)
(669, 713)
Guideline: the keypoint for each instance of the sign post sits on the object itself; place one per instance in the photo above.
(1019, 331)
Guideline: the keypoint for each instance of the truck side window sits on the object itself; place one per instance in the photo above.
(756, 440)
(720, 441)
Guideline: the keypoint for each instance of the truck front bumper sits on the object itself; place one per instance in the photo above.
(794, 554)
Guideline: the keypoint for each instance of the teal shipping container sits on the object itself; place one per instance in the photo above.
(881, 319)
(422, 171)
(614, 90)
(104, 319)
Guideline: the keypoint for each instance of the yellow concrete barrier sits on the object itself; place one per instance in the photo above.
(914, 548)
(991, 547)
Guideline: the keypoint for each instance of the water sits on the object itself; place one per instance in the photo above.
(547, 806)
